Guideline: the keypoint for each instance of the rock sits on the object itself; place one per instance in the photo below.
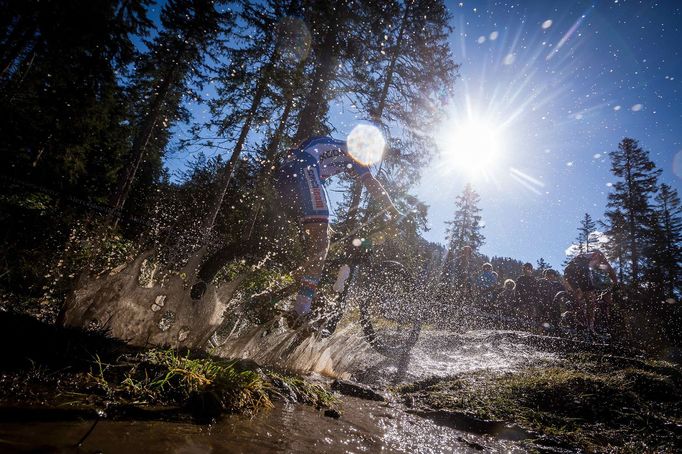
(332, 413)
(205, 406)
(471, 444)
(353, 389)
(285, 390)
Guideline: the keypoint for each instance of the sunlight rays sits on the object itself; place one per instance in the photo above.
(501, 106)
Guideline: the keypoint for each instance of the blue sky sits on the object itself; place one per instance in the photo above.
(616, 73)
(559, 83)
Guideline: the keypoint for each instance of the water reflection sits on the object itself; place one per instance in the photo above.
(364, 427)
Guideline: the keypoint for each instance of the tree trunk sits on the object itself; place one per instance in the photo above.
(309, 120)
(209, 221)
(19, 41)
(139, 146)
(276, 140)
(376, 116)
(634, 253)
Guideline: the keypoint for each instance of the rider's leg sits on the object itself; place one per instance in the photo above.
(316, 239)
(590, 306)
(580, 299)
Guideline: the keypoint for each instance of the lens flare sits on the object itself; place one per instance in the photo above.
(677, 164)
(366, 144)
(294, 39)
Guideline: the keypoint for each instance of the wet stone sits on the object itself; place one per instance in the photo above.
(332, 413)
(353, 389)
(183, 334)
(205, 406)
(285, 390)
(158, 303)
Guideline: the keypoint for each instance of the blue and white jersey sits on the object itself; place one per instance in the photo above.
(331, 156)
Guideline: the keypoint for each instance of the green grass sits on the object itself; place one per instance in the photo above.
(165, 377)
(54, 366)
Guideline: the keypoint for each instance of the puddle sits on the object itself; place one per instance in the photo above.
(363, 427)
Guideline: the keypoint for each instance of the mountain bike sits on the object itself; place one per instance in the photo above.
(383, 291)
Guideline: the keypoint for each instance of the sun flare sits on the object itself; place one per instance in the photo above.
(472, 147)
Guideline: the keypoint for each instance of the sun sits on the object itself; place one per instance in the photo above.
(472, 146)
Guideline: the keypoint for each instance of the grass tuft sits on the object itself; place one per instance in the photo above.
(167, 377)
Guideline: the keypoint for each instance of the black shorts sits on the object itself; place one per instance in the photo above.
(577, 275)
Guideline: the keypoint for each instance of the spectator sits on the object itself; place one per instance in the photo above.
(590, 277)
(506, 303)
(486, 285)
(549, 311)
(527, 293)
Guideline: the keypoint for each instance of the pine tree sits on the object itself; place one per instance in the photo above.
(399, 81)
(615, 247)
(630, 202)
(465, 228)
(666, 251)
(62, 108)
(192, 33)
(246, 84)
(586, 240)
(542, 265)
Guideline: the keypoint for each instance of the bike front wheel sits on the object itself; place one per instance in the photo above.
(389, 310)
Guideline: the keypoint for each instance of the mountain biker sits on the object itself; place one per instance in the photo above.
(587, 275)
(299, 186)
(300, 194)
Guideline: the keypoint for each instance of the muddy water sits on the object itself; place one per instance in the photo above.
(363, 427)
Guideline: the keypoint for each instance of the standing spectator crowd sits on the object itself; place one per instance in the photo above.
(543, 303)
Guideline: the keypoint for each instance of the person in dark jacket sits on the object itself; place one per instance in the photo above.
(590, 277)
(527, 293)
(549, 312)
(507, 304)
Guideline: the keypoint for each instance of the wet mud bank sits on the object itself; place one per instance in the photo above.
(580, 402)
(50, 373)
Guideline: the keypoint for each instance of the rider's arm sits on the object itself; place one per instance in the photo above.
(603, 263)
(611, 272)
(378, 192)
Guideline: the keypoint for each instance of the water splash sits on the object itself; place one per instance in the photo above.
(337, 356)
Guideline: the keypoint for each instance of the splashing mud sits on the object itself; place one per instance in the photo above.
(338, 356)
(346, 354)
